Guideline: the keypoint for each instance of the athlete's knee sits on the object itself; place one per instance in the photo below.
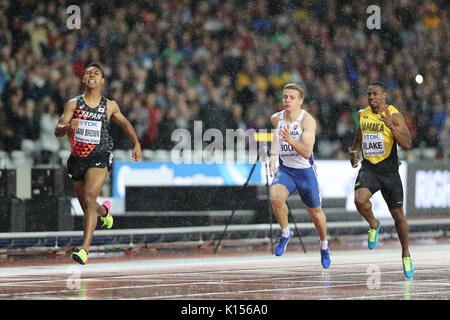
(361, 202)
(316, 214)
(398, 216)
(277, 201)
(83, 205)
(90, 198)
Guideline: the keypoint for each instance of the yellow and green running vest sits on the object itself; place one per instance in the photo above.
(378, 146)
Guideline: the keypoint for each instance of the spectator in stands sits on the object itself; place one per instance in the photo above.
(138, 117)
(439, 113)
(6, 133)
(150, 137)
(167, 125)
(16, 117)
(49, 144)
(344, 130)
(31, 125)
(445, 133)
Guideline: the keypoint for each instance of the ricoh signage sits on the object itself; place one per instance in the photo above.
(429, 189)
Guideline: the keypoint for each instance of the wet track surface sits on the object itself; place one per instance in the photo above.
(354, 275)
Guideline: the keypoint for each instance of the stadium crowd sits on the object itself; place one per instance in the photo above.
(171, 62)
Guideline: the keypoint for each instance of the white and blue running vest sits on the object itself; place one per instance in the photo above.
(287, 155)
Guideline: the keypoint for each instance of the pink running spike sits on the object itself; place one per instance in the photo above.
(107, 204)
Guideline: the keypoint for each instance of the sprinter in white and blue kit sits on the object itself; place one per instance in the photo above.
(292, 145)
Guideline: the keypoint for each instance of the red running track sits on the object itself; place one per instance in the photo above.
(354, 274)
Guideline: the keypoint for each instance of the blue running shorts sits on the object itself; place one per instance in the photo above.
(303, 180)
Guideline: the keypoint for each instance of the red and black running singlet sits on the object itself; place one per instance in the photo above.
(92, 135)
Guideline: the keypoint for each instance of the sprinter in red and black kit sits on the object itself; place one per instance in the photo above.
(91, 143)
(86, 119)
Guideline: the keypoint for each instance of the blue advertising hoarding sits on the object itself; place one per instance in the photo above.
(167, 173)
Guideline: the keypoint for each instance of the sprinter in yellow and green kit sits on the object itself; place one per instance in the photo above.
(381, 128)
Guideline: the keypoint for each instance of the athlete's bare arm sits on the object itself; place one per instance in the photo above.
(356, 145)
(397, 124)
(66, 122)
(274, 147)
(127, 128)
(306, 145)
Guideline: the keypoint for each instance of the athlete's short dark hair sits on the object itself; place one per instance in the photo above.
(97, 66)
(379, 84)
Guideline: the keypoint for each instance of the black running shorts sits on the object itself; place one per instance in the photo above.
(77, 166)
(389, 183)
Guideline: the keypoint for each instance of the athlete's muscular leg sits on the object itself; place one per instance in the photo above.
(364, 206)
(278, 197)
(79, 190)
(320, 221)
(401, 225)
(87, 194)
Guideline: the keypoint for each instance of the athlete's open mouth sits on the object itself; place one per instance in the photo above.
(91, 81)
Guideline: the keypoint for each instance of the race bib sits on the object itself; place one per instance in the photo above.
(373, 144)
(88, 132)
